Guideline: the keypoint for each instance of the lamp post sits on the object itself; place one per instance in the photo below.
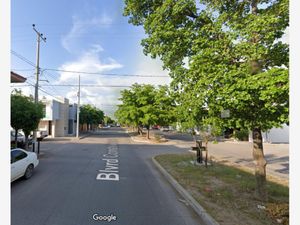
(78, 108)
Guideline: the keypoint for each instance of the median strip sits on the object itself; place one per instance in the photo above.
(224, 193)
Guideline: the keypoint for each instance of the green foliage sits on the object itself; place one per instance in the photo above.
(108, 120)
(235, 60)
(241, 135)
(90, 115)
(25, 114)
(145, 105)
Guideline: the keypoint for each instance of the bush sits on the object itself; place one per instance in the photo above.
(241, 135)
(157, 137)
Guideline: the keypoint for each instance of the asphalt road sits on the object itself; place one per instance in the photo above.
(64, 189)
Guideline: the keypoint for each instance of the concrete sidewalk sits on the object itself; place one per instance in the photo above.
(240, 154)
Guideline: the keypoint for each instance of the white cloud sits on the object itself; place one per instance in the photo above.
(81, 27)
(88, 62)
(106, 98)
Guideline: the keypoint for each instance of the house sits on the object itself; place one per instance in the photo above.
(72, 119)
(56, 120)
(16, 78)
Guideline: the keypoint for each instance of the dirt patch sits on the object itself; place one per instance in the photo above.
(151, 140)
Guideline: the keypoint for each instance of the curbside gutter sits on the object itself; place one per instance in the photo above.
(207, 219)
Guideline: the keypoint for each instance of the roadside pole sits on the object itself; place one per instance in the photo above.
(78, 108)
(36, 93)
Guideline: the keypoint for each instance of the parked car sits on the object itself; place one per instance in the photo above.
(20, 138)
(41, 134)
(22, 163)
(155, 127)
(164, 128)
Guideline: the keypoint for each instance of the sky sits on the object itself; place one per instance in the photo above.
(85, 36)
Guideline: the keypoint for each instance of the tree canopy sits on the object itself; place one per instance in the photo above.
(90, 115)
(107, 120)
(222, 55)
(146, 105)
(25, 114)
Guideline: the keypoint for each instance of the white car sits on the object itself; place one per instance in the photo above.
(22, 163)
(20, 137)
(165, 128)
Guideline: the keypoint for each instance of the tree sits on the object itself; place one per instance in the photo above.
(25, 115)
(145, 105)
(107, 120)
(236, 61)
(90, 115)
(127, 112)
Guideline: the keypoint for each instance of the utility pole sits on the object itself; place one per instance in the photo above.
(78, 108)
(36, 93)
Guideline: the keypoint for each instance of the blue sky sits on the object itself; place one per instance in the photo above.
(89, 36)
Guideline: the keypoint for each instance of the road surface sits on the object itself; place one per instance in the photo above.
(102, 177)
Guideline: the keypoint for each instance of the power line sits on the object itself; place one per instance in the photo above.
(67, 24)
(23, 58)
(84, 72)
(84, 85)
(75, 85)
(30, 63)
(105, 74)
(32, 85)
(22, 69)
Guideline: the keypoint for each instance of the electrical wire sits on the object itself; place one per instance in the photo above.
(105, 74)
(85, 72)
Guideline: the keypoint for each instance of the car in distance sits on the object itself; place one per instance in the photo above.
(22, 163)
(41, 134)
(20, 138)
(165, 128)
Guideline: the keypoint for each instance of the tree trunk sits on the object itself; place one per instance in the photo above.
(260, 164)
(16, 138)
(148, 133)
(140, 132)
(206, 152)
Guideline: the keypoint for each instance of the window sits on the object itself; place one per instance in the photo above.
(17, 155)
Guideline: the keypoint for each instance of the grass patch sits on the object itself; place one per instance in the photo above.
(227, 193)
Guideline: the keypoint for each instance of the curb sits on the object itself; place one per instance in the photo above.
(85, 135)
(134, 140)
(207, 219)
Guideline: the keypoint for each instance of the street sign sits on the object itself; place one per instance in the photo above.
(225, 113)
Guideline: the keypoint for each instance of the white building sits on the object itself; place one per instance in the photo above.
(56, 120)
(72, 119)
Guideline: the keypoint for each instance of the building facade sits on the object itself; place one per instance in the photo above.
(59, 118)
